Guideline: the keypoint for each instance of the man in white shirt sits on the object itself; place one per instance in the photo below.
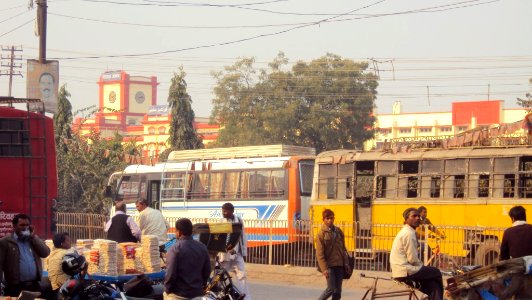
(233, 259)
(404, 259)
(151, 221)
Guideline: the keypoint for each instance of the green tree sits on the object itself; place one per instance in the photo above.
(183, 135)
(85, 169)
(63, 120)
(326, 103)
(84, 163)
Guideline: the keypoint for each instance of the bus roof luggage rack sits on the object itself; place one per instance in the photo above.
(240, 152)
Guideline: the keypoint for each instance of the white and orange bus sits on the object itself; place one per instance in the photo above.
(268, 185)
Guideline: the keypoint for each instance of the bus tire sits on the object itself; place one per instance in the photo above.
(487, 253)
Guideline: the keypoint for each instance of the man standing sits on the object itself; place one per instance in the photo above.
(189, 265)
(151, 221)
(20, 257)
(233, 259)
(405, 262)
(517, 240)
(331, 256)
(122, 228)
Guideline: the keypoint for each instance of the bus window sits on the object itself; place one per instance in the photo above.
(345, 180)
(432, 166)
(381, 187)
(408, 185)
(132, 187)
(386, 187)
(246, 184)
(479, 165)
(365, 171)
(509, 186)
(200, 186)
(231, 184)
(216, 186)
(483, 186)
(326, 182)
(525, 177)
(261, 184)
(386, 179)
(276, 187)
(435, 186)
(306, 172)
(504, 179)
(173, 187)
(459, 186)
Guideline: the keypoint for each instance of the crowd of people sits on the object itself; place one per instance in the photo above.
(189, 267)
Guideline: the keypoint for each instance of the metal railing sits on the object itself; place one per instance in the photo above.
(291, 242)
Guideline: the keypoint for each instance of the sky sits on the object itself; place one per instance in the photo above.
(427, 53)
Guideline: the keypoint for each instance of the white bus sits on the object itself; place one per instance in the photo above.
(264, 183)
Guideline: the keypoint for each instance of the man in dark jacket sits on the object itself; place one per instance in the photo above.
(517, 240)
(122, 228)
(332, 256)
(188, 265)
(20, 257)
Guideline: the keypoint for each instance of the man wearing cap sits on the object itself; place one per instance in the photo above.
(404, 259)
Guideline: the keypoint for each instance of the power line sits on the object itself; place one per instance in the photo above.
(179, 26)
(224, 43)
(10, 18)
(22, 25)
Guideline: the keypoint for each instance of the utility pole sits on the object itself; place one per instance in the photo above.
(11, 65)
(42, 8)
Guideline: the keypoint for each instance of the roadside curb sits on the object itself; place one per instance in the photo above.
(311, 277)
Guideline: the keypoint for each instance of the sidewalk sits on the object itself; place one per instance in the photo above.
(311, 277)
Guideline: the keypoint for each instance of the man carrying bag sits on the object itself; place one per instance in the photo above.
(333, 260)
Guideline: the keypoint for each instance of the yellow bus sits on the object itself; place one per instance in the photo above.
(467, 191)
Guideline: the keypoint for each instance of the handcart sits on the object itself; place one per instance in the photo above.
(503, 280)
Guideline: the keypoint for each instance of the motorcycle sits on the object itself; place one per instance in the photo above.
(220, 285)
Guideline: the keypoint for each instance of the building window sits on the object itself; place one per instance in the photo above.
(151, 130)
(462, 128)
(405, 130)
(385, 131)
(131, 122)
(425, 129)
(446, 129)
(162, 130)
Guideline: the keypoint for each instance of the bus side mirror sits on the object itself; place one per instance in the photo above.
(108, 192)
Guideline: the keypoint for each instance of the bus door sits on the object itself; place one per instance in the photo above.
(364, 174)
(154, 193)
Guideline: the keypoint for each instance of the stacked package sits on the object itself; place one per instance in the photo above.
(105, 259)
(138, 260)
(125, 258)
(93, 259)
(151, 259)
(83, 246)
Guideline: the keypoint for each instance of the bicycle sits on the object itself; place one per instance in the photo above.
(445, 263)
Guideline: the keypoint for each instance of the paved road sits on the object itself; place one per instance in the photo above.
(262, 290)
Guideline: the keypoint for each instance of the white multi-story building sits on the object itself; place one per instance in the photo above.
(462, 117)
